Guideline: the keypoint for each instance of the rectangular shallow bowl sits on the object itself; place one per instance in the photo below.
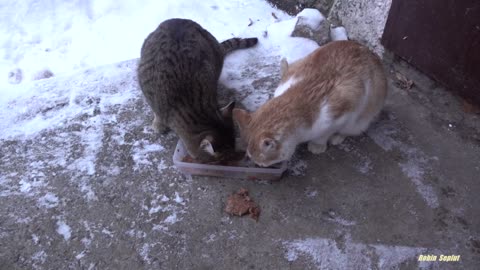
(251, 173)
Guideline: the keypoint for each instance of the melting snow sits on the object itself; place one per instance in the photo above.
(417, 164)
(49, 200)
(326, 254)
(63, 229)
(311, 17)
(80, 255)
(39, 257)
(338, 33)
(145, 252)
(178, 199)
(171, 219)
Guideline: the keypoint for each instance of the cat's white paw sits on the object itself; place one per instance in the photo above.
(317, 148)
(336, 139)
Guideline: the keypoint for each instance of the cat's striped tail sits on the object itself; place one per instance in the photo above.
(232, 44)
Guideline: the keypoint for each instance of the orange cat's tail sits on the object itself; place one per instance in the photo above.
(232, 44)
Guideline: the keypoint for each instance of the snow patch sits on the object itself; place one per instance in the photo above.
(417, 164)
(91, 140)
(29, 186)
(171, 219)
(172, 210)
(311, 17)
(291, 48)
(80, 255)
(49, 200)
(64, 230)
(107, 232)
(143, 153)
(136, 233)
(145, 253)
(415, 168)
(155, 210)
(39, 257)
(326, 254)
(179, 199)
(35, 239)
(363, 163)
(338, 33)
(86, 188)
(67, 36)
(162, 166)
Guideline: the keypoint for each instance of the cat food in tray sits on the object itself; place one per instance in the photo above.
(244, 170)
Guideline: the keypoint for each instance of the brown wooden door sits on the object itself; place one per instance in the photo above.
(439, 37)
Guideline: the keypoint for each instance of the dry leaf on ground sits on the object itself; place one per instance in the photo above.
(403, 82)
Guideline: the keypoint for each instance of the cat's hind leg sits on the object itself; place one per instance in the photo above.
(319, 144)
(158, 125)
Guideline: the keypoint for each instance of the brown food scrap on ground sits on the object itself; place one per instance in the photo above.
(240, 204)
(403, 82)
(251, 22)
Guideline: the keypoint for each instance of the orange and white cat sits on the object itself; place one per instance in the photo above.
(334, 92)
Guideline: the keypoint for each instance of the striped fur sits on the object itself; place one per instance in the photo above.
(179, 67)
(232, 44)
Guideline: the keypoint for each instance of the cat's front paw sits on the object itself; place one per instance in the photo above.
(317, 148)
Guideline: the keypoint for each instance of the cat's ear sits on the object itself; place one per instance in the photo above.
(227, 110)
(268, 144)
(206, 145)
(283, 67)
(242, 118)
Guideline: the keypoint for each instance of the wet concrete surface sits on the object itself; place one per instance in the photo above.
(100, 190)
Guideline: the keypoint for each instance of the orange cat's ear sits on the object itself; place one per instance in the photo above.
(242, 118)
(227, 110)
(268, 144)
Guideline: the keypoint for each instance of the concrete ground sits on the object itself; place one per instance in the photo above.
(408, 187)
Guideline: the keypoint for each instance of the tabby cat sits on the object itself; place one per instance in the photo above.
(335, 91)
(178, 72)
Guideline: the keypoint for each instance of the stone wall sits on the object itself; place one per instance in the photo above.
(363, 19)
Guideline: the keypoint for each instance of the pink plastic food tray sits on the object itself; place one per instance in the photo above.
(224, 171)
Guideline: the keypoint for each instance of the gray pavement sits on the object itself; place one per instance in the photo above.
(99, 190)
